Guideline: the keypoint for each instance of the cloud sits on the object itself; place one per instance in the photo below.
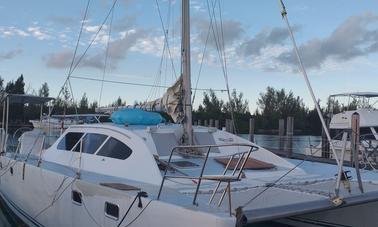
(10, 54)
(59, 60)
(357, 36)
(63, 20)
(6, 32)
(118, 50)
(37, 33)
(62, 60)
(232, 31)
(265, 38)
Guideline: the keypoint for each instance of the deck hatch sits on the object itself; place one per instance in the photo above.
(184, 164)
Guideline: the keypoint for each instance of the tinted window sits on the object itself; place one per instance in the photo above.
(114, 148)
(337, 134)
(69, 140)
(366, 134)
(91, 142)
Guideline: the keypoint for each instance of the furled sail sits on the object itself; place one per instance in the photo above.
(170, 102)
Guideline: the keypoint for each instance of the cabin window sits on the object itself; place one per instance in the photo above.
(366, 133)
(69, 140)
(114, 148)
(111, 210)
(91, 142)
(337, 134)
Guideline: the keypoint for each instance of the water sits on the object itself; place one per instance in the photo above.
(7, 217)
(272, 142)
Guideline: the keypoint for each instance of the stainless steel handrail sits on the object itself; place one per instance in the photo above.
(200, 177)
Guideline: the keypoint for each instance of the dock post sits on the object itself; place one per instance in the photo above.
(251, 129)
(199, 122)
(216, 124)
(228, 125)
(206, 124)
(289, 135)
(232, 128)
(195, 122)
(281, 134)
(211, 122)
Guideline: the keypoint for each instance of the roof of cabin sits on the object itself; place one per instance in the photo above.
(358, 94)
(368, 118)
(21, 98)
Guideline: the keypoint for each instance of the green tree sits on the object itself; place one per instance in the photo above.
(212, 104)
(17, 87)
(83, 104)
(237, 103)
(44, 90)
(275, 104)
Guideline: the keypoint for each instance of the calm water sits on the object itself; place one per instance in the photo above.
(7, 218)
(299, 143)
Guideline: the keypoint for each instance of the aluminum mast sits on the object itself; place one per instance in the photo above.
(185, 64)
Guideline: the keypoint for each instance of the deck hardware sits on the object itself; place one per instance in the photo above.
(141, 194)
(40, 151)
(111, 210)
(76, 197)
(244, 156)
(337, 201)
(11, 170)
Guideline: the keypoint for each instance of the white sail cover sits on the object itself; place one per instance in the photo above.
(169, 103)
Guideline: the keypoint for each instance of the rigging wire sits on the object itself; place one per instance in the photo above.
(138, 84)
(106, 56)
(72, 69)
(222, 54)
(152, 92)
(166, 38)
(203, 57)
(75, 52)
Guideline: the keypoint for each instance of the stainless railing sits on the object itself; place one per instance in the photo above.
(235, 175)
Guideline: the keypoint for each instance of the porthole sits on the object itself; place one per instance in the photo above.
(111, 210)
(76, 197)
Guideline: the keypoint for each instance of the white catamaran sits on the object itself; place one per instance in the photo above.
(168, 174)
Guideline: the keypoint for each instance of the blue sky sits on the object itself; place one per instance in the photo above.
(338, 40)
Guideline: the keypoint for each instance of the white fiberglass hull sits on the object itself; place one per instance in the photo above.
(30, 193)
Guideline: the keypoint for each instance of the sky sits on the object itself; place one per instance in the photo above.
(338, 42)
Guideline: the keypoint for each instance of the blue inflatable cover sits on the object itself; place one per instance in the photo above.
(136, 117)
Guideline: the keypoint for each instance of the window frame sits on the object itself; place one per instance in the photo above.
(110, 215)
(81, 140)
(103, 144)
(74, 146)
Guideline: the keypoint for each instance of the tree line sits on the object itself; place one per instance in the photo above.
(272, 105)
